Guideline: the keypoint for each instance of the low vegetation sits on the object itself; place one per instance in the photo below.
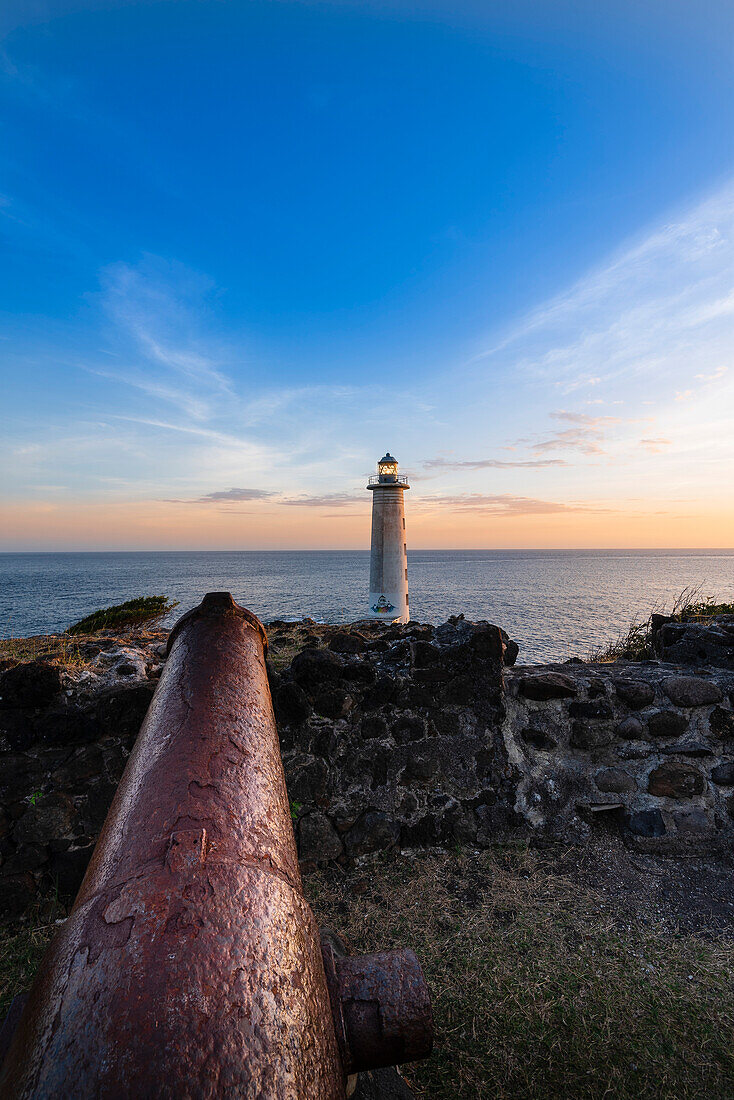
(56, 648)
(539, 987)
(635, 643)
(143, 610)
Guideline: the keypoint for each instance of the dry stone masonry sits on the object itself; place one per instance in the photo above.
(394, 737)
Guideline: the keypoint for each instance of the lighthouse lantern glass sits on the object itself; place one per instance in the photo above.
(387, 468)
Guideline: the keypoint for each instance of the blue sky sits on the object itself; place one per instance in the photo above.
(249, 246)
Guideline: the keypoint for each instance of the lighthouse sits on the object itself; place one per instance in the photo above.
(389, 557)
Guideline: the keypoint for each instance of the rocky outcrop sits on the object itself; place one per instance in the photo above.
(393, 737)
(703, 644)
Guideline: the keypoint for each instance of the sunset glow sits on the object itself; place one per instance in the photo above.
(216, 359)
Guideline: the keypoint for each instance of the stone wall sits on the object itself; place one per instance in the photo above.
(397, 743)
(392, 737)
(65, 736)
(646, 748)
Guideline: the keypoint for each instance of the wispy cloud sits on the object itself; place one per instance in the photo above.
(225, 496)
(158, 315)
(583, 418)
(492, 464)
(585, 440)
(504, 504)
(661, 310)
(713, 376)
(328, 500)
(655, 446)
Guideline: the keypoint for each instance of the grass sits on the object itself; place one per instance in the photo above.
(21, 951)
(537, 991)
(58, 648)
(144, 609)
(539, 988)
(635, 643)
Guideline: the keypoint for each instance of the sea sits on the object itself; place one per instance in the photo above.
(556, 604)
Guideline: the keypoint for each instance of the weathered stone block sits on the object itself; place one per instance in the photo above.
(722, 722)
(334, 703)
(77, 772)
(306, 778)
(674, 779)
(66, 726)
(359, 674)
(666, 723)
(120, 712)
(347, 642)
(587, 735)
(538, 739)
(615, 781)
(423, 654)
(34, 685)
(630, 728)
(547, 685)
(687, 747)
(409, 727)
(19, 775)
(291, 703)
(380, 694)
(50, 817)
(645, 823)
(723, 774)
(699, 644)
(373, 726)
(373, 831)
(16, 730)
(692, 691)
(693, 824)
(423, 763)
(317, 839)
(635, 693)
(312, 668)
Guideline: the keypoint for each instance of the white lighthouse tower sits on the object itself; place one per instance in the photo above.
(389, 558)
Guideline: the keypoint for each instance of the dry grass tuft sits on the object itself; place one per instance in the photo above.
(635, 643)
(57, 648)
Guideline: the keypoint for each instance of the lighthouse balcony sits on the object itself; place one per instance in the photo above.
(388, 479)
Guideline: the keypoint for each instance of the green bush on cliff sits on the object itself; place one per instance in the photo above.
(144, 609)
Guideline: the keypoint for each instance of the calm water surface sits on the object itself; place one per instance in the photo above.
(554, 603)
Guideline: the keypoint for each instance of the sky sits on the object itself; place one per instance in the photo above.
(247, 247)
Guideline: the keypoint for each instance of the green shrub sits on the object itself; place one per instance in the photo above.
(144, 609)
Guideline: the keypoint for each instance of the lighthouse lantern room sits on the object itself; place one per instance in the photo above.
(389, 557)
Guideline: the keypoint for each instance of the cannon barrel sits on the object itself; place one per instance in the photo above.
(191, 964)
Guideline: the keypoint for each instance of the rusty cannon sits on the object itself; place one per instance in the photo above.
(191, 964)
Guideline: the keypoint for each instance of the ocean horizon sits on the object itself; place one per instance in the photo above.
(556, 604)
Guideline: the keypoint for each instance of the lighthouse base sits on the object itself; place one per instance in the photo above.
(391, 606)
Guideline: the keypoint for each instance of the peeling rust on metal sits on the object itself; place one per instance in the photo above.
(191, 964)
